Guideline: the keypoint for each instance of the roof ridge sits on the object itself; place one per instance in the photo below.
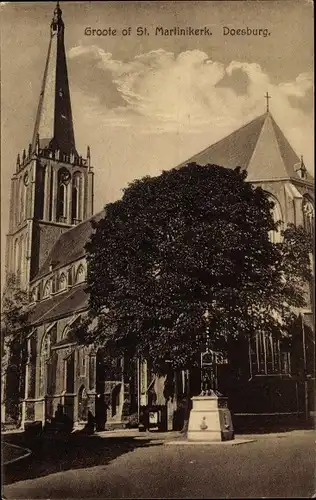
(226, 137)
(67, 233)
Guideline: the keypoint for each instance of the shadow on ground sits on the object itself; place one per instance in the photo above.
(51, 455)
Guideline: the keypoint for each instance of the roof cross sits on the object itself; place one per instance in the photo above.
(267, 96)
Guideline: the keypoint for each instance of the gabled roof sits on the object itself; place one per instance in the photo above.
(259, 147)
(60, 305)
(69, 246)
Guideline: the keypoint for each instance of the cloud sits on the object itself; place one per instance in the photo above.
(162, 92)
(299, 87)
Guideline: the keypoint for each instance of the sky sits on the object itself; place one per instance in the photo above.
(147, 103)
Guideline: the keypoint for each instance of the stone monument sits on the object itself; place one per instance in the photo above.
(210, 418)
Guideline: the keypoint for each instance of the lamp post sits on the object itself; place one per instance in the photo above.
(210, 418)
(208, 368)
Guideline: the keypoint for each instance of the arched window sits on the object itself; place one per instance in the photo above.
(82, 404)
(275, 236)
(22, 201)
(31, 373)
(76, 198)
(19, 203)
(16, 256)
(80, 274)
(62, 282)
(47, 289)
(48, 362)
(268, 357)
(62, 198)
(45, 355)
(308, 216)
(23, 260)
(62, 203)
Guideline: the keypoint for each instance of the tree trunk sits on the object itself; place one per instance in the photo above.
(187, 406)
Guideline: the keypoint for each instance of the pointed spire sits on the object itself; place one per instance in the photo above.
(300, 168)
(89, 157)
(23, 156)
(29, 153)
(18, 162)
(57, 24)
(54, 121)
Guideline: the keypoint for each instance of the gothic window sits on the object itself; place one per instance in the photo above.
(308, 216)
(25, 202)
(275, 236)
(16, 256)
(22, 259)
(32, 345)
(50, 212)
(62, 282)
(80, 274)
(82, 404)
(48, 362)
(47, 289)
(45, 354)
(62, 198)
(76, 198)
(70, 372)
(62, 203)
(267, 357)
(19, 204)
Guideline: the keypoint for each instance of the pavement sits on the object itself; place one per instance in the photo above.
(129, 464)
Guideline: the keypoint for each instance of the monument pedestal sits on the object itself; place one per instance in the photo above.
(210, 419)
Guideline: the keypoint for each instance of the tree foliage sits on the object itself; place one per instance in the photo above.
(185, 253)
(15, 309)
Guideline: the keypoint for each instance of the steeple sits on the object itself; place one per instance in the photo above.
(52, 187)
(54, 123)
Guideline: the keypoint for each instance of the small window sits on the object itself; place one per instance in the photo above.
(47, 289)
(275, 236)
(62, 282)
(308, 216)
(80, 274)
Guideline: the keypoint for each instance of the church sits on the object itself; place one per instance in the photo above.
(52, 191)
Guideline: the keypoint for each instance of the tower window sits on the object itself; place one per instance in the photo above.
(76, 198)
(62, 198)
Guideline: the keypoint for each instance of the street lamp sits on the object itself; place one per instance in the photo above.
(208, 357)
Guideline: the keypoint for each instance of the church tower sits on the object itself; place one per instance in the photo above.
(52, 187)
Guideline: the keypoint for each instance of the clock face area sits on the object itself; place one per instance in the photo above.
(26, 179)
(64, 176)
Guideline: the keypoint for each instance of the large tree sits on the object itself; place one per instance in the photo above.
(186, 253)
(15, 309)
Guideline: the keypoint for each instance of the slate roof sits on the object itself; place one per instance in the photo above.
(69, 246)
(60, 305)
(54, 122)
(259, 147)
